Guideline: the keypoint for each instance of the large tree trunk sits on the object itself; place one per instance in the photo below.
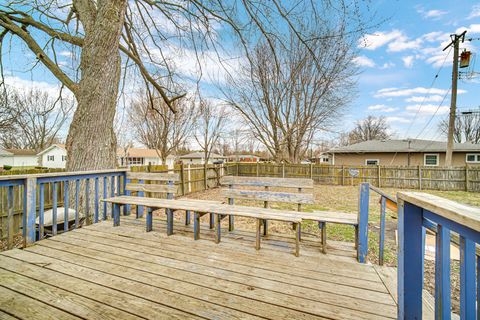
(95, 147)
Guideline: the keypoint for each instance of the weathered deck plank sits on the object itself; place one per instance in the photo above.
(125, 272)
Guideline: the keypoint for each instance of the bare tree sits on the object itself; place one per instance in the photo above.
(7, 113)
(142, 33)
(157, 128)
(38, 121)
(209, 126)
(370, 128)
(286, 104)
(467, 128)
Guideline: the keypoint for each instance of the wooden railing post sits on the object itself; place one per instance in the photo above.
(29, 211)
(362, 248)
(410, 261)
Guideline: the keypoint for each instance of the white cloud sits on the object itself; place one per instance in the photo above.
(473, 28)
(403, 43)
(394, 92)
(24, 85)
(427, 109)
(408, 61)
(397, 120)
(382, 108)
(378, 39)
(432, 98)
(475, 13)
(364, 61)
(435, 14)
(387, 65)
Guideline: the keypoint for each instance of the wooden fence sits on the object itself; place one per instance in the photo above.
(421, 177)
(193, 178)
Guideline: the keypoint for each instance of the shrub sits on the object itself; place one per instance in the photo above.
(7, 167)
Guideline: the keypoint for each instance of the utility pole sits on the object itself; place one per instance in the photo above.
(453, 101)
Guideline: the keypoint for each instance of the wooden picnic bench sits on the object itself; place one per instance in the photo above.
(304, 188)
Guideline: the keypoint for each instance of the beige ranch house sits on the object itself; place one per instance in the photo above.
(412, 152)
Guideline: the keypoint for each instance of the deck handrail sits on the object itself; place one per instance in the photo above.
(417, 211)
(110, 181)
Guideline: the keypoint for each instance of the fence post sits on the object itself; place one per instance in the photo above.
(205, 183)
(29, 210)
(379, 176)
(189, 178)
(283, 169)
(311, 170)
(258, 169)
(466, 178)
(419, 177)
(237, 164)
(182, 178)
(362, 248)
(343, 175)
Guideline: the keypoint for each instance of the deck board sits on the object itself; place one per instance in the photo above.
(124, 272)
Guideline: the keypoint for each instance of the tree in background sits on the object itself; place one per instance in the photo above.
(7, 113)
(38, 119)
(157, 128)
(370, 128)
(467, 128)
(110, 36)
(209, 126)
(286, 102)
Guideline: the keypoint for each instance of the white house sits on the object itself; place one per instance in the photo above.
(54, 156)
(18, 158)
(141, 157)
(199, 158)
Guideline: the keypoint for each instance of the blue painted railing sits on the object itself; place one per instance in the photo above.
(417, 211)
(385, 202)
(76, 190)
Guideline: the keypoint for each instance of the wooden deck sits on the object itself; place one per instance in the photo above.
(102, 272)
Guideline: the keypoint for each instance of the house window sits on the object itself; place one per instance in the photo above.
(372, 162)
(50, 158)
(431, 159)
(473, 158)
(64, 158)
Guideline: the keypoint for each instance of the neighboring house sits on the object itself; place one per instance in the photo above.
(244, 158)
(412, 152)
(141, 157)
(18, 158)
(198, 158)
(54, 156)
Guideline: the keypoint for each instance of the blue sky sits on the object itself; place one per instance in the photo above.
(398, 62)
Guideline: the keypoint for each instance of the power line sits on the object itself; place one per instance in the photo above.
(428, 93)
(434, 114)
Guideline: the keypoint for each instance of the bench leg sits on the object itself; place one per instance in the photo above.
(265, 227)
(196, 226)
(187, 217)
(149, 219)
(212, 222)
(218, 229)
(169, 222)
(323, 229)
(139, 211)
(297, 239)
(257, 241)
(116, 214)
(231, 223)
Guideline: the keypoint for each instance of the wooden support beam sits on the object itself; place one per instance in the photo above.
(149, 226)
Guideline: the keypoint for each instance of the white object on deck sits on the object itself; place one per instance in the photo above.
(48, 216)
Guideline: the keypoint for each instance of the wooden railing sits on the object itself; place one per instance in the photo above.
(417, 211)
(82, 189)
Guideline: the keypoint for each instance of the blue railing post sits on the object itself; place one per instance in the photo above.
(126, 208)
(30, 210)
(410, 262)
(362, 249)
(467, 279)
(383, 206)
(442, 273)
(139, 209)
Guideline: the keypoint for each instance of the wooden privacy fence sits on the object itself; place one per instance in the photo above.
(434, 178)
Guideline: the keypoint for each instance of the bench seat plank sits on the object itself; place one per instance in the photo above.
(153, 176)
(210, 207)
(330, 216)
(151, 188)
(267, 182)
(286, 197)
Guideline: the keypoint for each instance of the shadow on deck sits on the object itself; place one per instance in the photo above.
(120, 273)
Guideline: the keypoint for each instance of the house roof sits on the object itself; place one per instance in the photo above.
(22, 152)
(57, 145)
(199, 155)
(410, 145)
(243, 156)
(139, 153)
(5, 153)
